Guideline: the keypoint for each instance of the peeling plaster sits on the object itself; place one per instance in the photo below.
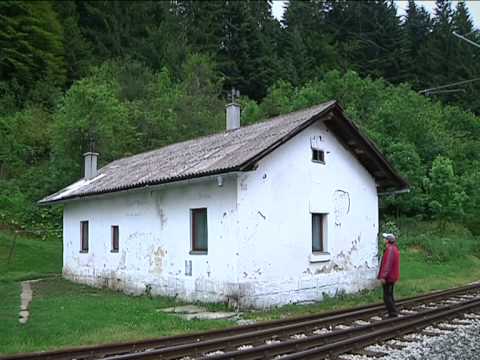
(341, 205)
(158, 259)
(121, 263)
(188, 267)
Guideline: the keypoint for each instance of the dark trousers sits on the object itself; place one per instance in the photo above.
(389, 300)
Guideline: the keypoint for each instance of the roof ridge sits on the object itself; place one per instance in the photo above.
(263, 121)
(219, 153)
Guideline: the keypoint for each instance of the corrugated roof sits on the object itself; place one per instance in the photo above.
(224, 152)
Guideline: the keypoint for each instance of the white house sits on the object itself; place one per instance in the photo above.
(281, 211)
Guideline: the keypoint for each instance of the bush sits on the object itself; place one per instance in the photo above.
(438, 245)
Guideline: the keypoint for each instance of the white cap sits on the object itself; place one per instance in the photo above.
(389, 237)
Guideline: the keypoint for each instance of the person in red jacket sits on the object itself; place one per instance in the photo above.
(389, 272)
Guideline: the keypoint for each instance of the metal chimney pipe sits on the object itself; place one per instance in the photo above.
(90, 165)
(233, 116)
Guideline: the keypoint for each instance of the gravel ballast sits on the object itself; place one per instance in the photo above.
(460, 342)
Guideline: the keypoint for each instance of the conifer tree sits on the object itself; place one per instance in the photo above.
(78, 58)
(308, 47)
(371, 37)
(241, 37)
(439, 53)
(416, 28)
(466, 66)
(30, 42)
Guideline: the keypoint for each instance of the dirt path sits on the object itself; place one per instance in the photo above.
(25, 300)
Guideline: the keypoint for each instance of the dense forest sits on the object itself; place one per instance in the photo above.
(130, 76)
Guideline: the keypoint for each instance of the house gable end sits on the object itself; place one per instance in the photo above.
(350, 136)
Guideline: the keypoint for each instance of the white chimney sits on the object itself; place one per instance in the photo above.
(233, 116)
(90, 165)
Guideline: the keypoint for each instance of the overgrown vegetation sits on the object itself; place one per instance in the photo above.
(438, 243)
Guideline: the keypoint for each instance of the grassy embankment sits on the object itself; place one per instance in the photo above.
(65, 314)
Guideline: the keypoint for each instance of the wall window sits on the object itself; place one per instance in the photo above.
(318, 232)
(318, 156)
(199, 231)
(83, 236)
(115, 238)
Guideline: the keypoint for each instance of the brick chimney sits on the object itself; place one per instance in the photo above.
(90, 165)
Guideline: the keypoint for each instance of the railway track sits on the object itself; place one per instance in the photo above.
(307, 337)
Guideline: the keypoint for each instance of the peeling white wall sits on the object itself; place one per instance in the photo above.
(275, 203)
(259, 231)
(154, 227)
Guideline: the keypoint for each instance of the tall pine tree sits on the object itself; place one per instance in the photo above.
(416, 28)
(31, 43)
(308, 47)
(241, 36)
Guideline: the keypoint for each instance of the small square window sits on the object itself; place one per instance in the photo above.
(318, 156)
(115, 238)
(199, 230)
(84, 236)
(318, 232)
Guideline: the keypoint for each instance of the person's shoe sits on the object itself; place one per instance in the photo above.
(393, 315)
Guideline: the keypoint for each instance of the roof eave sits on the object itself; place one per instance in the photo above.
(137, 186)
(395, 182)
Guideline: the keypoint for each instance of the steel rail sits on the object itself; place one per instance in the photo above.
(90, 352)
(251, 338)
(341, 341)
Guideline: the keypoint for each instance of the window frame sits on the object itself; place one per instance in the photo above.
(113, 239)
(323, 243)
(194, 213)
(321, 158)
(84, 236)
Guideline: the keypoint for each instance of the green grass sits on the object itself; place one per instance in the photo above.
(24, 258)
(64, 314)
